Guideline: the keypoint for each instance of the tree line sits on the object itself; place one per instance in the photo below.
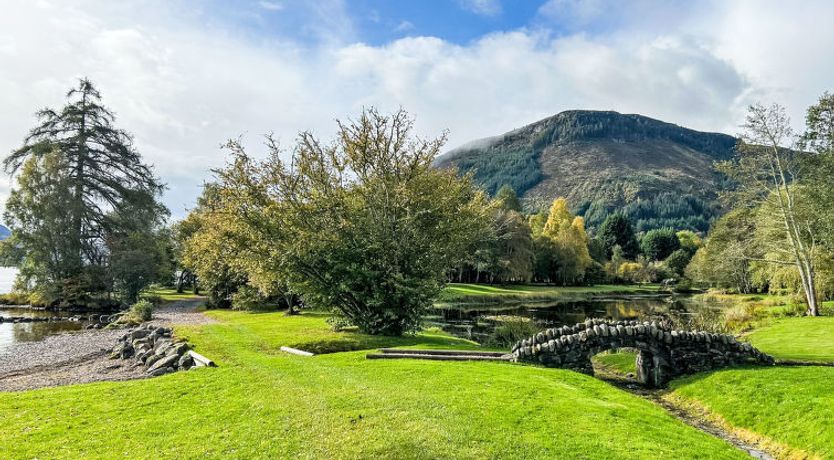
(365, 227)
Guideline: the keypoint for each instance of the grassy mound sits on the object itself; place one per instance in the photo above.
(800, 339)
(791, 406)
(261, 403)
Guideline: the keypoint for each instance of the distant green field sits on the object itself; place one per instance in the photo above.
(474, 293)
(171, 295)
(621, 361)
(801, 339)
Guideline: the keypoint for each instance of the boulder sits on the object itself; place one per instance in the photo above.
(167, 361)
(185, 362)
(161, 371)
(152, 358)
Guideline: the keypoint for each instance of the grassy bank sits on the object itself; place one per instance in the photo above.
(261, 403)
(792, 407)
(488, 293)
(797, 339)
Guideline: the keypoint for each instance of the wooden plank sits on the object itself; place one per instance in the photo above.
(296, 351)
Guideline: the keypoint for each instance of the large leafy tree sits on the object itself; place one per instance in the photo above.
(364, 226)
(97, 185)
(563, 238)
(658, 244)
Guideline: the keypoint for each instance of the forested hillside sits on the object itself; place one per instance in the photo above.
(658, 173)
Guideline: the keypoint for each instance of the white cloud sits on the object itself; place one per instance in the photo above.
(404, 26)
(271, 6)
(183, 87)
(482, 7)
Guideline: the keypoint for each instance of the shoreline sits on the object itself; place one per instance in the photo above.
(82, 356)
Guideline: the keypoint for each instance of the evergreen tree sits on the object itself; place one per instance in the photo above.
(98, 181)
(507, 199)
(616, 230)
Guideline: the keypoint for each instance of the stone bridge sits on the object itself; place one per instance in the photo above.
(663, 353)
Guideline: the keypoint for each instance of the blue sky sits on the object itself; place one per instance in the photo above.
(376, 22)
(185, 75)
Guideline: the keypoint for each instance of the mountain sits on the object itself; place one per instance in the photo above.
(658, 173)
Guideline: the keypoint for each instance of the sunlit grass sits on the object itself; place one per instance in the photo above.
(468, 292)
(262, 403)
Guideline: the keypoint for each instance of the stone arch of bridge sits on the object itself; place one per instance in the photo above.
(663, 353)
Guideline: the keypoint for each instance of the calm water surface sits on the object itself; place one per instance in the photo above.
(477, 322)
(11, 333)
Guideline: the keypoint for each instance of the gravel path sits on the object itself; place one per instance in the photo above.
(81, 357)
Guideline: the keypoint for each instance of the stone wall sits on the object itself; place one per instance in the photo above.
(663, 353)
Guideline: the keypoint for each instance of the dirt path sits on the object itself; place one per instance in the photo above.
(82, 357)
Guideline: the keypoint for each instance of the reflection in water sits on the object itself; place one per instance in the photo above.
(477, 322)
(11, 333)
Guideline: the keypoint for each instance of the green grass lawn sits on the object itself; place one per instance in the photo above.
(620, 361)
(800, 339)
(261, 403)
(475, 293)
(792, 406)
(171, 295)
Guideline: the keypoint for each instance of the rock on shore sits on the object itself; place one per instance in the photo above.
(155, 349)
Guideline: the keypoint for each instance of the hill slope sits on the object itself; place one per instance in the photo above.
(601, 161)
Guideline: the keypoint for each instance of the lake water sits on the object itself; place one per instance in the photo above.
(477, 322)
(11, 333)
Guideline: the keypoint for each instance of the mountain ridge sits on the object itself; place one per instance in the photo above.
(603, 161)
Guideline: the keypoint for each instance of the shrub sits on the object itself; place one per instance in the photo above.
(250, 298)
(743, 316)
(140, 312)
(156, 300)
(511, 329)
(14, 298)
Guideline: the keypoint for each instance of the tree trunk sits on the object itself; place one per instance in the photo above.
(180, 281)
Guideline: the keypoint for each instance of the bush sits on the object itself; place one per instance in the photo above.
(140, 312)
(743, 316)
(250, 298)
(156, 300)
(511, 329)
(14, 298)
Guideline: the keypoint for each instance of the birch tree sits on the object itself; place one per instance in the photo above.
(768, 173)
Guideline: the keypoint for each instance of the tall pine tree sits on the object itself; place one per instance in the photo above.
(102, 187)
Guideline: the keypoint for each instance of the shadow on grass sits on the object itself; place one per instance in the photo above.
(318, 338)
(352, 340)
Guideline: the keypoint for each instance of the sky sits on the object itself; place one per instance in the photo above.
(183, 76)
